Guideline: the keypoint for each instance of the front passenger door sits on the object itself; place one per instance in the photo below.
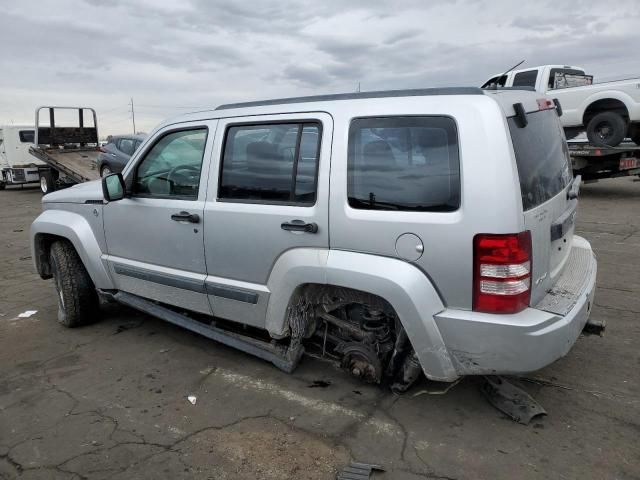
(155, 235)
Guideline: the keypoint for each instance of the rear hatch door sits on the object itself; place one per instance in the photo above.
(545, 175)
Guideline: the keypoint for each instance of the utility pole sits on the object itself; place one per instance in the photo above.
(133, 117)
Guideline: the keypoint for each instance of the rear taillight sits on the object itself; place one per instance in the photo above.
(501, 272)
(102, 149)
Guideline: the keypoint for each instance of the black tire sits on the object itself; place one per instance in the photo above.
(105, 170)
(47, 182)
(78, 302)
(3, 185)
(606, 129)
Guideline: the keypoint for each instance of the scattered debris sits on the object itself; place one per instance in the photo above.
(165, 350)
(28, 257)
(27, 314)
(358, 471)
(437, 388)
(17, 230)
(595, 326)
(319, 384)
(511, 400)
(193, 399)
(127, 326)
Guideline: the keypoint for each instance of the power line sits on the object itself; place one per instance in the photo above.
(133, 117)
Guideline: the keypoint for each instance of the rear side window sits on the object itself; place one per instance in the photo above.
(126, 146)
(542, 157)
(525, 79)
(271, 163)
(404, 163)
(26, 136)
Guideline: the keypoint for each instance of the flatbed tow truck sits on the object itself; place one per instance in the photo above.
(70, 153)
(594, 162)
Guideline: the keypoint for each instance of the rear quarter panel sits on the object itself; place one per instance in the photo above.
(490, 194)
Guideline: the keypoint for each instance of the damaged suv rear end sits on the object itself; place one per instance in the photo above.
(532, 288)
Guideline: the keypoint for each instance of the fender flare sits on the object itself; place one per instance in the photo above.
(613, 94)
(75, 228)
(403, 285)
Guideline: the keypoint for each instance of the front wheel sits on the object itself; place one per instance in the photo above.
(78, 302)
(606, 129)
(106, 170)
(47, 182)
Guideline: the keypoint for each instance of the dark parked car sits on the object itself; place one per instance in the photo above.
(117, 152)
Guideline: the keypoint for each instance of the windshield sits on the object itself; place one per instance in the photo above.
(542, 157)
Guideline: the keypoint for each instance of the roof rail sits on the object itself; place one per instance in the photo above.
(522, 87)
(422, 92)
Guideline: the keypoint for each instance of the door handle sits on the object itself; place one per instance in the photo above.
(186, 217)
(299, 226)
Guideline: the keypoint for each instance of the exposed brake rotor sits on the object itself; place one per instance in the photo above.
(361, 361)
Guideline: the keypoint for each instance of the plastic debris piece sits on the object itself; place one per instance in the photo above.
(27, 314)
(193, 399)
(510, 399)
(358, 471)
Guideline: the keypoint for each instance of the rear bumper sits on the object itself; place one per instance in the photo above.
(487, 344)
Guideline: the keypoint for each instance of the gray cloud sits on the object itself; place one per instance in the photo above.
(172, 55)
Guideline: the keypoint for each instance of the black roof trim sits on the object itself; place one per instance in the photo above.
(421, 92)
(522, 87)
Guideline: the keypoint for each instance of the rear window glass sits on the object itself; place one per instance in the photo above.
(525, 79)
(26, 136)
(404, 163)
(542, 157)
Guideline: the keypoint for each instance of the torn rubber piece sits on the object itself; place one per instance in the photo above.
(511, 400)
(595, 326)
(358, 471)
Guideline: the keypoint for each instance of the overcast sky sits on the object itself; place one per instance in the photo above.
(176, 56)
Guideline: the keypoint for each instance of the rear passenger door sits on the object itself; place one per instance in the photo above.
(268, 193)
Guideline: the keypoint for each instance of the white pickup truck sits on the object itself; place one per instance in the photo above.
(608, 111)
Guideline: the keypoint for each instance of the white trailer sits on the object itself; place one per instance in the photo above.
(17, 166)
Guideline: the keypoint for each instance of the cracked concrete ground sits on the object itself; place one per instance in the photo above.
(109, 400)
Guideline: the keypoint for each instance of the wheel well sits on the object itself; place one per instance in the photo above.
(321, 293)
(42, 247)
(605, 105)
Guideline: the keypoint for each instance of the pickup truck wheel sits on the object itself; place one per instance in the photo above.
(78, 302)
(606, 129)
(47, 182)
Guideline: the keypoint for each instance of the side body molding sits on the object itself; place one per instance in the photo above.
(405, 287)
(75, 228)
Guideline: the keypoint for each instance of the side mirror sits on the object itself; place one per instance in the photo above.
(113, 187)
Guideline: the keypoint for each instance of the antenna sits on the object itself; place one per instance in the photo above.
(495, 85)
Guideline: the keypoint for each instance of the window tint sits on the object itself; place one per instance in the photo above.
(404, 163)
(525, 79)
(127, 146)
(271, 163)
(542, 157)
(172, 166)
(137, 145)
(26, 136)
